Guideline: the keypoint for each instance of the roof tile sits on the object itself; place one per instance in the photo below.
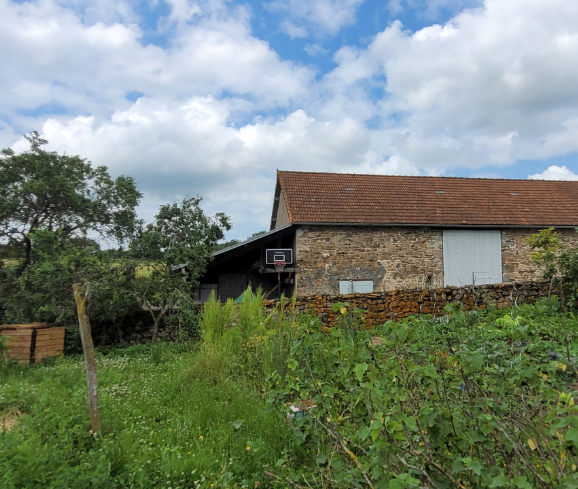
(382, 199)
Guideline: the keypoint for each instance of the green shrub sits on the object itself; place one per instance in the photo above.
(464, 400)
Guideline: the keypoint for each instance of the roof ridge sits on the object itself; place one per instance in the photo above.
(423, 176)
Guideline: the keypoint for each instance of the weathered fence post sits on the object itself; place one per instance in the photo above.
(82, 297)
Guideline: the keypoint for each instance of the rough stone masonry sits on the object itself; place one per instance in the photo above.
(399, 304)
(395, 258)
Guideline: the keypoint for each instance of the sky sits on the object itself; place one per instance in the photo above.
(211, 97)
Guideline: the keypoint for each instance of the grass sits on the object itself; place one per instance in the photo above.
(144, 272)
(162, 424)
(212, 414)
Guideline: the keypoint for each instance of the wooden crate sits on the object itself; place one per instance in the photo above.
(30, 343)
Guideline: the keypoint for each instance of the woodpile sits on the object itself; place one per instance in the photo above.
(30, 343)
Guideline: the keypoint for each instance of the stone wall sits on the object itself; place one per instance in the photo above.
(517, 262)
(392, 257)
(395, 257)
(399, 304)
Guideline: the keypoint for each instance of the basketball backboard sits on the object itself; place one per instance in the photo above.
(279, 255)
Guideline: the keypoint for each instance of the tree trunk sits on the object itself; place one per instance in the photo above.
(157, 321)
(82, 297)
(28, 249)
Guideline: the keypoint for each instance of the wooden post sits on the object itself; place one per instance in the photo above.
(82, 297)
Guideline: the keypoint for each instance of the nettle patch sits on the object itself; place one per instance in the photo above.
(466, 400)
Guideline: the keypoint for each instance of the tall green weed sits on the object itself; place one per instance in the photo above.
(479, 400)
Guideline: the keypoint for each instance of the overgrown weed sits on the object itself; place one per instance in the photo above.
(422, 402)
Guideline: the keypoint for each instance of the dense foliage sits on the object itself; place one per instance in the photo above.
(43, 190)
(470, 400)
(43, 290)
(481, 399)
(49, 206)
(176, 249)
(559, 264)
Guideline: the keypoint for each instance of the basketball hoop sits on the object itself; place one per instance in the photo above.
(279, 257)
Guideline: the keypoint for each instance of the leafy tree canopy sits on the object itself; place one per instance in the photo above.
(233, 242)
(54, 192)
(176, 248)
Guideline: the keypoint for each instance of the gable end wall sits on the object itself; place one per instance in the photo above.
(282, 215)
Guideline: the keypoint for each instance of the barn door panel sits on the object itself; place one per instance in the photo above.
(472, 257)
(487, 268)
(458, 257)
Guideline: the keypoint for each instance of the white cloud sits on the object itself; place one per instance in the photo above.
(220, 110)
(315, 50)
(56, 59)
(555, 172)
(316, 17)
(183, 10)
(174, 149)
(292, 30)
(491, 86)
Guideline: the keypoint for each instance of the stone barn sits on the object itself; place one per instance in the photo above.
(375, 233)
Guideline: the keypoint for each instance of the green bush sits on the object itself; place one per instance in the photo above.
(457, 401)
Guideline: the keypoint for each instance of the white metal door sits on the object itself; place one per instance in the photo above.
(487, 257)
(472, 257)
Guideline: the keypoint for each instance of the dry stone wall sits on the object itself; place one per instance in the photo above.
(399, 304)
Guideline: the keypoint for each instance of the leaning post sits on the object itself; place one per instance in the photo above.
(82, 296)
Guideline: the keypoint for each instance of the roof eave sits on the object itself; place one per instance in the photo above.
(276, 199)
(437, 225)
(252, 240)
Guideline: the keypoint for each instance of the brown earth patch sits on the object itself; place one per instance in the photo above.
(8, 421)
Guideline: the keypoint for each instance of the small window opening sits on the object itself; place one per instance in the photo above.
(355, 286)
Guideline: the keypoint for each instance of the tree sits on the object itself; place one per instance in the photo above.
(42, 291)
(176, 248)
(559, 265)
(233, 242)
(227, 244)
(54, 192)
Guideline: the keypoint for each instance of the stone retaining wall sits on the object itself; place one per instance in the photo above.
(399, 304)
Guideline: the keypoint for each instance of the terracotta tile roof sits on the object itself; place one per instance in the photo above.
(381, 199)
